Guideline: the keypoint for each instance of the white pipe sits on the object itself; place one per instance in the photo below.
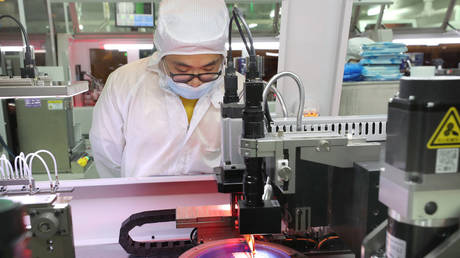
(54, 162)
(34, 155)
(3, 173)
(26, 168)
(19, 160)
(2, 162)
(8, 167)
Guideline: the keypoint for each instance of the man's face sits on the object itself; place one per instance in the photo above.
(193, 64)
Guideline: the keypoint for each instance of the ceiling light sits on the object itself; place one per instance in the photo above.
(271, 54)
(253, 25)
(257, 45)
(125, 47)
(428, 41)
(12, 49)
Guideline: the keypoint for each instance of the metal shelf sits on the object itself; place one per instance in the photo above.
(14, 89)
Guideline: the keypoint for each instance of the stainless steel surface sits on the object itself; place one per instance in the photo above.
(232, 129)
(101, 251)
(367, 97)
(449, 248)
(355, 18)
(409, 199)
(52, 33)
(428, 223)
(371, 2)
(370, 127)
(6, 182)
(301, 94)
(343, 156)
(327, 148)
(33, 200)
(34, 191)
(380, 17)
(449, 12)
(13, 89)
(374, 242)
(16, 81)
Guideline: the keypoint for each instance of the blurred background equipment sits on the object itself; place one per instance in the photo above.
(13, 234)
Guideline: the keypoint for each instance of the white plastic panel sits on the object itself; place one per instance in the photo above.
(313, 44)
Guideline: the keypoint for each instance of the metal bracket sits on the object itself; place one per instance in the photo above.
(302, 218)
(374, 242)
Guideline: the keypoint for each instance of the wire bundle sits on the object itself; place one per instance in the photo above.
(23, 168)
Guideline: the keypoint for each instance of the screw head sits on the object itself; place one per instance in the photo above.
(431, 208)
(376, 212)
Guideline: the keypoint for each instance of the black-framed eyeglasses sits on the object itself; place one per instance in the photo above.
(186, 77)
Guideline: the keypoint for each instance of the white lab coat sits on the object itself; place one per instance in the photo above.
(141, 129)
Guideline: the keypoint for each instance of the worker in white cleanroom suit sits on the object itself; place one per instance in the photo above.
(161, 115)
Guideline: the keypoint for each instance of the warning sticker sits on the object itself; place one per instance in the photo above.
(55, 105)
(447, 134)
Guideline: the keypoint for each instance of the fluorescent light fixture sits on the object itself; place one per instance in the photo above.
(19, 49)
(12, 49)
(257, 45)
(125, 47)
(253, 25)
(373, 11)
(368, 2)
(271, 54)
(428, 41)
(272, 14)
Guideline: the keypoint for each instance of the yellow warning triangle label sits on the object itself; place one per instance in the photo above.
(447, 134)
